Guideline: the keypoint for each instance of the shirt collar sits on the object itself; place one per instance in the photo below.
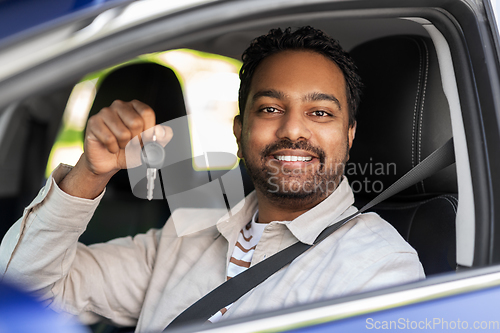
(306, 227)
(230, 224)
(309, 225)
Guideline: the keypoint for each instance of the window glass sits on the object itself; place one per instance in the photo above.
(210, 85)
(69, 143)
(496, 11)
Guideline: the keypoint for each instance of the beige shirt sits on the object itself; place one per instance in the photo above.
(149, 279)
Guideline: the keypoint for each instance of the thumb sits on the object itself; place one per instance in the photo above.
(163, 134)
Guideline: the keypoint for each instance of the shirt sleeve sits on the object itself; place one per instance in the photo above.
(41, 253)
(390, 270)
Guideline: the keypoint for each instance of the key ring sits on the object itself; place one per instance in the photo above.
(153, 154)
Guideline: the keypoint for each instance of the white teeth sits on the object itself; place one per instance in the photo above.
(294, 158)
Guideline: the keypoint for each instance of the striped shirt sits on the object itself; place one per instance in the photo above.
(242, 254)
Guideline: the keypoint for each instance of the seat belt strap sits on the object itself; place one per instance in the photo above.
(234, 288)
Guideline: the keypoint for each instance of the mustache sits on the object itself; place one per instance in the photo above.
(288, 144)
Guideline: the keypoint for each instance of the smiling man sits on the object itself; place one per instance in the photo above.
(298, 97)
(295, 132)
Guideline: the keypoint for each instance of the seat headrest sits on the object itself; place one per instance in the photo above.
(150, 83)
(403, 116)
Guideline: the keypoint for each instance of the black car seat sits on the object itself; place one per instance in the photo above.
(120, 213)
(403, 117)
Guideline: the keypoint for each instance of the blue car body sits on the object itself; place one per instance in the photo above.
(21, 16)
(466, 301)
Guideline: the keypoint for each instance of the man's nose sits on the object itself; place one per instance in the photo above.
(293, 126)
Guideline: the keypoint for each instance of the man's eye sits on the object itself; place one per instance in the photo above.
(320, 113)
(269, 110)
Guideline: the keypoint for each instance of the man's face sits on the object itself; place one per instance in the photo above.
(295, 137)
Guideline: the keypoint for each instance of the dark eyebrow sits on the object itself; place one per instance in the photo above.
(268, 93)
(322, 97)
(316, 96)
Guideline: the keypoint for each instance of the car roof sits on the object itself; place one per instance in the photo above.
(21, 17)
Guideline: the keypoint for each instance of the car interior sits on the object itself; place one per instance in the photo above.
(404, 116)
(410, 107)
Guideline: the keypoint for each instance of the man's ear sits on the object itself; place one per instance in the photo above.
(237, 128)
(352, 134)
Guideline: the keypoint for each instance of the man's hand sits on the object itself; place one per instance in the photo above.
(108, 132)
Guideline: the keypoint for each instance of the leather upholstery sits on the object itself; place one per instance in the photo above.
(403, 117)
(429, 226)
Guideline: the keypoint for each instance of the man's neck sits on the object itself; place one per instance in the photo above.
(276, 210)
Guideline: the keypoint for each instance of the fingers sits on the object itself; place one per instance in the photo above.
(117, 124)
(163, 134)
(146, 113)
(98, 130)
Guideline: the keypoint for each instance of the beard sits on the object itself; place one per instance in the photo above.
(307, 185)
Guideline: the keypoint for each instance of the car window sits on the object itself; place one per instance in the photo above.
(496, 10)
(210, 85)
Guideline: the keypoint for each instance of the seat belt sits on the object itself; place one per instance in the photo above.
(234, 288)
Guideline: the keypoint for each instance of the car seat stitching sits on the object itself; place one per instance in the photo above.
(415, 115)
(424, 89)
(452, 204)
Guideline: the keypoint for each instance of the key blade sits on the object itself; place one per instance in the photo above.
(150, 177)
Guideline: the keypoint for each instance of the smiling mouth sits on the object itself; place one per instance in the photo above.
(293, 158)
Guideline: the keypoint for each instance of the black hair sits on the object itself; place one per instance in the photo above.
(305, 38)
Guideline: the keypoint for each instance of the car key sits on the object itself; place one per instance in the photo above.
(151, 177)
(153, 156)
